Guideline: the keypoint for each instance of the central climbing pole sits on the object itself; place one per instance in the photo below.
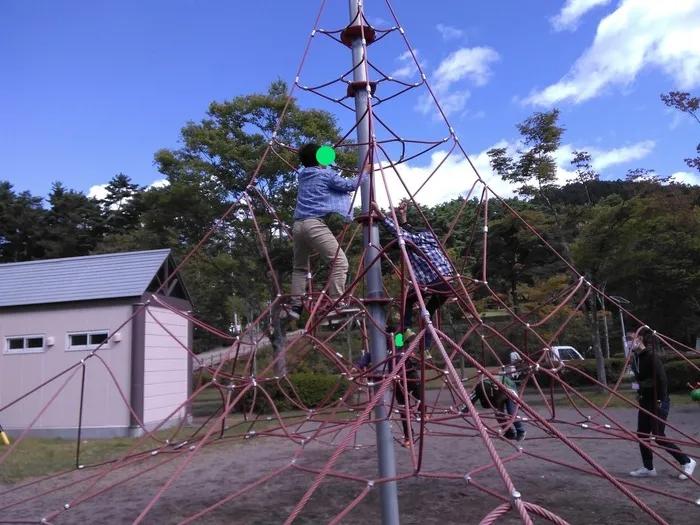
(357, 36)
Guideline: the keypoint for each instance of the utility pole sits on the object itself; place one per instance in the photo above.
(377, 340)
(620, 301)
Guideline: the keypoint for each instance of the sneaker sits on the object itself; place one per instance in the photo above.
(406, 443)
(342, 309)
(509, 434)
(293, 312)
(520, 436)
(688, 469)
(408, 336)
(643, 473)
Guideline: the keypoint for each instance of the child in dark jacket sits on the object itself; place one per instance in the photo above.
(491, 395)
(412, 378)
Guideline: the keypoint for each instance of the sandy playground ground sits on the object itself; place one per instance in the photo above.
(220, 470)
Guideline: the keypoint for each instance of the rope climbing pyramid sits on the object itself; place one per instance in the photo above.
(441, 414)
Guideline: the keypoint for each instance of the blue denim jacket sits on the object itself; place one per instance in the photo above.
(323, 191)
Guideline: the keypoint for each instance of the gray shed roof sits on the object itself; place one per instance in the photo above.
(109, 276)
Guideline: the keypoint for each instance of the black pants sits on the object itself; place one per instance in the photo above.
(413, 382)
(438, 291)
(646, 424)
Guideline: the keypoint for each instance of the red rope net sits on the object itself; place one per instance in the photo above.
(323, 444)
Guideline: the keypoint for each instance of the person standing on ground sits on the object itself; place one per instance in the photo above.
(413, 386)
(651, 384)
(430, 264)
(322, 192)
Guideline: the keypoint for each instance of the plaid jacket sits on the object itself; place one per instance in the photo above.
(321, 192)
(431, 253)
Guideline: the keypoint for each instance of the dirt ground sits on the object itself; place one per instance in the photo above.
(223, 469)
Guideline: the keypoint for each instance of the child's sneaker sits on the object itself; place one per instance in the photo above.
(341, 309)
(408, 336)
(643, 473)
(520, 436)
(509, 434)
(293, 312)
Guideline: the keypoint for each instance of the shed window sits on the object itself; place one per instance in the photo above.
(87, 340)
(24, 344)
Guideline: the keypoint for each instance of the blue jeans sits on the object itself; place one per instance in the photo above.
(512, 411)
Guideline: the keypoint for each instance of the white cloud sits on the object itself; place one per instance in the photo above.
(605, 159)
(99, 191)
(686, 177)
(572, 12)
(453, 179)
(408, 65)
(449, 32)
(473, 64)
(456, 176)
(639, 34)
(160, 183)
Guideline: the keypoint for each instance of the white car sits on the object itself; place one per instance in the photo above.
(562, 353)
(567, 353)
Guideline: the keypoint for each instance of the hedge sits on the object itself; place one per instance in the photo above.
(309, 390)
(679, 373)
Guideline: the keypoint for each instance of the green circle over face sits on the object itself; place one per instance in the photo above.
(398, 340)
(325, 155)
(695, 394)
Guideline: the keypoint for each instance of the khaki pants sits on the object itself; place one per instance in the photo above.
(313, 235)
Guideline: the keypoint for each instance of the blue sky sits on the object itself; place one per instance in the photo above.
(95, 88)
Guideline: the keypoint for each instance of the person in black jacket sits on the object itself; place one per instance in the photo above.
(412, 366)
(651, 384)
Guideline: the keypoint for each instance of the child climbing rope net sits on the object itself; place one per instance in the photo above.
(561, 421)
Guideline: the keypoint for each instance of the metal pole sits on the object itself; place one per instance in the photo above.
(624, 339)
(377, 341)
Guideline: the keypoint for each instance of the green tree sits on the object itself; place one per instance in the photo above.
(22, 226)
(647, 249)
(209, 175)
(584, 172)
(73, 223)
(121, 207)
(535, 171)
(689, 105)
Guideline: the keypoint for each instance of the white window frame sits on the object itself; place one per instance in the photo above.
(25, 350)
(88, 346)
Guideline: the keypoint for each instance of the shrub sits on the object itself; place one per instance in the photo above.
(679, 373)
(307, 389)
(613, 368)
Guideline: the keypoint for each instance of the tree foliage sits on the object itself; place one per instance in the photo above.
(638, 238)
(690, 105)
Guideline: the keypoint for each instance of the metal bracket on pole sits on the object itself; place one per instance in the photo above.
(377, 340)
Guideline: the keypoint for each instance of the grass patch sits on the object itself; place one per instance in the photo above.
(41, 456)
(36, 457)
(599, 399)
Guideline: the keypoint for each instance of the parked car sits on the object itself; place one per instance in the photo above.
(562, 353)
(567, 353)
